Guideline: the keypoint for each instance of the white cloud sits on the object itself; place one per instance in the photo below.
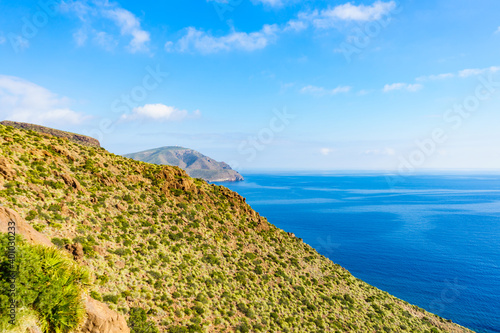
(461, 74)
(197, 40)
(320, 91)
(436, 77)
(497, 31)
(2, 40)
(326, 151)
(349, 12)
(21, 100)
(402, 86)
(159, 112)
(296, 25)
(128, 24)
(330, 17)
(478, 71)
(271, 3)
(105, 40)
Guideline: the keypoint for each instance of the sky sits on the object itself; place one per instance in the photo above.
(263, 84)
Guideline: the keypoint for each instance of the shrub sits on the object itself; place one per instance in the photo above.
(110, 298)
(138, 322)
(49, 284)
(210, 259)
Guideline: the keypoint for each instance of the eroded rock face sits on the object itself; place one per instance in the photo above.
(76, 250)
(70, 181)
(6, 168)
(176, 178)
(22, 228)
(100, 318)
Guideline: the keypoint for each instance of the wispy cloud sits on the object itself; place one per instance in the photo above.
(195, 39)
(91, 11)
(460, 74)
(332, 16)
(326, 151)
(320, 91)
(274, 3)
(205, 42)
(21, 100)
(159, 112)
(402, 86)
(2, 39)
(348, 12)
(478, 71)
(436, 77)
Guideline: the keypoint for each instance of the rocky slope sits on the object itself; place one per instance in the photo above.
(194, 163)
(76, 138)
(184, 255)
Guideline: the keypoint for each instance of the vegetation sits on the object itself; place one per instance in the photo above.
(49, 287)
(180, 255)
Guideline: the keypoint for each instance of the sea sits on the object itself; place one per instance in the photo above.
(432, 240)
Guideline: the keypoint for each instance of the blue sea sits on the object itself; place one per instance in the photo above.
(431, 240)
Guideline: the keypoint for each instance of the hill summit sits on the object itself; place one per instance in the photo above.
(194, 163)
(76, 138)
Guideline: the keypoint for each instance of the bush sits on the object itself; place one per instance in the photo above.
(210, 259)
(138, 322)
(110, 298)
(48, 282)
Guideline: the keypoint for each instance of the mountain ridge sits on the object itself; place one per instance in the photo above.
(193, 162)
(76, 138)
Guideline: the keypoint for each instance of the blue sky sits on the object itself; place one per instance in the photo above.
(263, 84)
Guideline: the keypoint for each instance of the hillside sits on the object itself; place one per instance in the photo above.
(76, 138)
(193, 256)
(194, 163)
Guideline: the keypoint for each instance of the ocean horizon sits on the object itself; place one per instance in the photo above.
(432, 240)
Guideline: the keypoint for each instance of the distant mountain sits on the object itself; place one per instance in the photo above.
(194, 163)
(76, 138)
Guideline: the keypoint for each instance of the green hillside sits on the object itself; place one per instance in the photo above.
(189, 256)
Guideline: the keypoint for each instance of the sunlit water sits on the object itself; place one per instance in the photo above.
(433, 241)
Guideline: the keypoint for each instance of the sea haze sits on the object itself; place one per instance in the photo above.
(433, 241)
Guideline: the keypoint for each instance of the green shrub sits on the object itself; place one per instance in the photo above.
(48, 283)
(110, 298)
(138, 322)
